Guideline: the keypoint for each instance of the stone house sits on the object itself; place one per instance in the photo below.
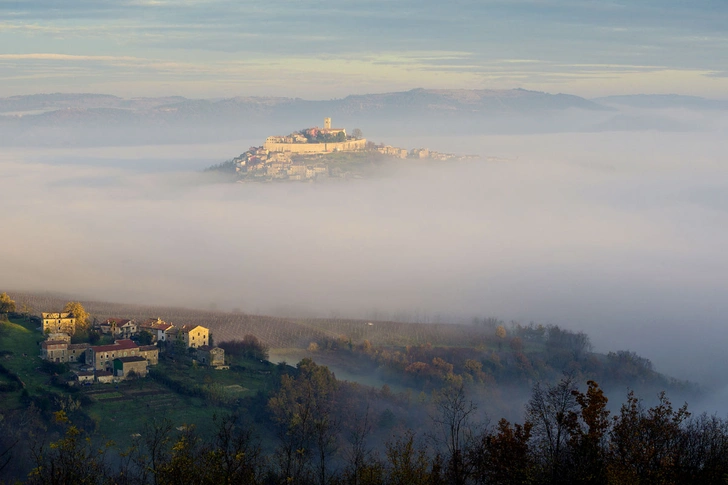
(128, 329)
(125, 365)
(61, 351)
(59, 336)
(194, 336)
(76, 352)
(104, 376)
(159, 329)
(84, 376)
(119, 327)
(54, 350)
(102, 356)
(150, 353)
(212, 356)
(59, 323)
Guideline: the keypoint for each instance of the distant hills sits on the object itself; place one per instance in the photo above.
(73, 119)
(415, 100)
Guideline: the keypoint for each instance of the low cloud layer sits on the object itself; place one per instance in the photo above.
(620, 235)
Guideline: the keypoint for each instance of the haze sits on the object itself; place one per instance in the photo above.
(606, 214)
(619, 234)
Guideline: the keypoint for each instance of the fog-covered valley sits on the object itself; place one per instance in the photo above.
(619, 234)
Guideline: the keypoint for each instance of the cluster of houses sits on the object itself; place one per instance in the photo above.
(260, 162)
(125, 357)
(418, 153)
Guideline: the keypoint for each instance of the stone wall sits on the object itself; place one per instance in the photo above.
(344, 146)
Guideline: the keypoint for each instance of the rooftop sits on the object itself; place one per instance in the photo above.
(118, 345)
(131, 359)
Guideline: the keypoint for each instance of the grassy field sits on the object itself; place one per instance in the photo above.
(19, 353)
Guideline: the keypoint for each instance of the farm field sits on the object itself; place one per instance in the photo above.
(123, 410)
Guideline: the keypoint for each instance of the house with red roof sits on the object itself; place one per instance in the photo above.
(101, 357)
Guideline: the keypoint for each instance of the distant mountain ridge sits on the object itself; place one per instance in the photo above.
(515, 100)
(102, 119)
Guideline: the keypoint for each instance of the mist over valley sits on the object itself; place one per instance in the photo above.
(616, 233)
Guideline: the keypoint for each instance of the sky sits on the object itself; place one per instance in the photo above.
(320, 50)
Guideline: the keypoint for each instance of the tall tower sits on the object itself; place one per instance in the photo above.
(327, 123)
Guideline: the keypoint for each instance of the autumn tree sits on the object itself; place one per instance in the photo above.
(645, 444)
(503, 456)
(588, 426)
(71, 459)
(79, 313)
(7, 305)
(303, 409)
(407, 463)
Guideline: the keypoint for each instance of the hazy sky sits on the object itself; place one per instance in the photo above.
(210, 48)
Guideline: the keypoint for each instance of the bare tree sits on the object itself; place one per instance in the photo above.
(454, 425)
(549, 410)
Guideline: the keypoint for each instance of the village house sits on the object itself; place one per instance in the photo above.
(159, 329)
(61, 351)
(150, 353)
(102, 356)
(128, 329)
(194, 336)
(59, 336)
(59, 323)
(119, 327)
(76, 352)
(212, 356)
(124, 366)
(54, 350)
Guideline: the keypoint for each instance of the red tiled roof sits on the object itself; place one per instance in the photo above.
(145, 348)
(118, 321)
(118, 345)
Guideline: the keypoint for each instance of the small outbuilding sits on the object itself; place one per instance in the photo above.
(104, 376)
(212, 356)
(123, 366)
(84, 376)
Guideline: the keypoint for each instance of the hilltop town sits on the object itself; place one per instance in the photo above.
(315, 154)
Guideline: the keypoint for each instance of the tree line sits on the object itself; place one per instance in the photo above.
(317, 430)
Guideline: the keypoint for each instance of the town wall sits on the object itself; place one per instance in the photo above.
(344, 146)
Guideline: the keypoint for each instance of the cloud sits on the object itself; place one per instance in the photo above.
(68, 57)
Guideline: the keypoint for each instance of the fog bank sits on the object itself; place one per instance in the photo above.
(621, 235)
